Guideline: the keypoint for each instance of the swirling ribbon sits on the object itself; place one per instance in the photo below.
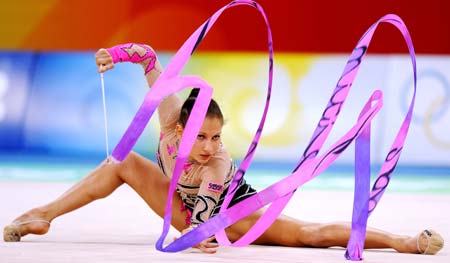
(310, 164)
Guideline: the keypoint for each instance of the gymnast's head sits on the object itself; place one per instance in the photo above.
(208, 141)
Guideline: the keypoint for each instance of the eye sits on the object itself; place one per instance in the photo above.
(216, 137)
(200, 137)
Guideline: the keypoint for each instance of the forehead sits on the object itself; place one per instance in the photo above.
(211, 125)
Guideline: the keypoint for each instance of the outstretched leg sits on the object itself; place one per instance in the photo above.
(287, 231)
(143, 175)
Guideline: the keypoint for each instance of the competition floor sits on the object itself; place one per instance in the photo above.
(121, 228)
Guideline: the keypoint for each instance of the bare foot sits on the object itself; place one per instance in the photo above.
(32, 222)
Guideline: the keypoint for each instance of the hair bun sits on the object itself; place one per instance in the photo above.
(213, 108)
(194, 93)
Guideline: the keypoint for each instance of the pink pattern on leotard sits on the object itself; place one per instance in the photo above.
(186, 167)
(188, 218)
(170, 149)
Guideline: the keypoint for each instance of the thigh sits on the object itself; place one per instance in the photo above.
(147, 179)
(285, 231)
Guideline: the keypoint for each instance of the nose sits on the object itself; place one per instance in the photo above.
(208, 147)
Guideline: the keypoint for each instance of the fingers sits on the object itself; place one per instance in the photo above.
(104, 67)
(210, 239)
(209, 250)
(207, 246)
(103, 60)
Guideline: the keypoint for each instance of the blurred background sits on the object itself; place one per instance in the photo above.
(51, 117)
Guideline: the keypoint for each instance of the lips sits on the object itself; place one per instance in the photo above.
(205, 156)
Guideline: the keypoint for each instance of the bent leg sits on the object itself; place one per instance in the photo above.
(143, 175)
(287, 231)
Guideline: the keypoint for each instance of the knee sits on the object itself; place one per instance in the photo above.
(125, 168)
(313, 235)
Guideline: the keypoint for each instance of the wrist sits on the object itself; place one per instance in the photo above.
(188, 229)
(135, 53)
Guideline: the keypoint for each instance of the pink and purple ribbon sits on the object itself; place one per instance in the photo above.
(311, 162)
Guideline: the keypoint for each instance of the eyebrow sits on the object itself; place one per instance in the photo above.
(204, 133)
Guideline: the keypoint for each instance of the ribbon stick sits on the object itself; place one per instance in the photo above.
(105, 116)
(310, 165)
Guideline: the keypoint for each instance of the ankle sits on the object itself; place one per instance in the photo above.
(405, 244)
(410, 245)
(39, 213)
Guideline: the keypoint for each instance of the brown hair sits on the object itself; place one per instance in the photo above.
(213, 108)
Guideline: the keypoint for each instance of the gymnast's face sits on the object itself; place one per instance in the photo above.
(208, 140)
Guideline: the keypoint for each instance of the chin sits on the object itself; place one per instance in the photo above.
(202, 161)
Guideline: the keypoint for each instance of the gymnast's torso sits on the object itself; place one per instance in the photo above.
(200, 185)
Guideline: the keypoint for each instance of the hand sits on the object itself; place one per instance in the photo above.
(206, 246)
(103, 60)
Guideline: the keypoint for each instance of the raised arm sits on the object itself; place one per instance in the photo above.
(145, 56)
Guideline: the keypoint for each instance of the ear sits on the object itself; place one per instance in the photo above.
(179, 131)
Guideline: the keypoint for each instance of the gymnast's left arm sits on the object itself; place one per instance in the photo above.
(211, 188)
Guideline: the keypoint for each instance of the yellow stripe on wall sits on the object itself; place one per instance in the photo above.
(240, 85)
(19, 18)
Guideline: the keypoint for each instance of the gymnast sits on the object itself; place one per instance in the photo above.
(203, 183)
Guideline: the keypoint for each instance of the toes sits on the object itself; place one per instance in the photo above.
(429, 242)
(11, 234)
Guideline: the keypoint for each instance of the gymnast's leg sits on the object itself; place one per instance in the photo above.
(287, 231)
(143, 175)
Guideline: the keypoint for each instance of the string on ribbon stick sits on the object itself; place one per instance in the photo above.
(105, 115)
(311, 163)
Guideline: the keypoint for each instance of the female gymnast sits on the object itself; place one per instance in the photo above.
(203, 183)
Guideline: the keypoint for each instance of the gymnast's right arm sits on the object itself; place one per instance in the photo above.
(146, 57)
